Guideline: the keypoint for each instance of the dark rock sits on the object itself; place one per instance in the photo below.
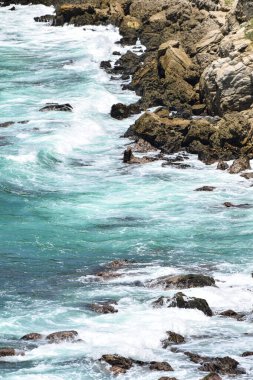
(129, 158)
(184, 281)
(116, 53)
(198, 109)
(167, 378)
(177, 165)
(173, 338)
(247, 175)
(159, 302)
(224, 365)
(105, 65)
(61, 336)
(222, 165)
(127, 63)
(45, 18)
(212, 376)
(6, 124)
(117, 264)
(243, 205)
(105, 308)
(107, 275)
(180, 300)
(119, 364)
(12, 9)
(232, 314)
(57, 107)
(240, 164)
(121, 111)
(160, 366)
(206, 188)
(32, 336)
(7, 352)
(247, 353)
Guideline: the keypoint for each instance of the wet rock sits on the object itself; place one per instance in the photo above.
(105, 308)
(223, 365)
(247, 175)
(212, 376)
(173, 338)
(243, 205)
(117, 264)
(129, 158)
(247, 353)
(183, 281)
(206, 188)
(107, 275)
(232, 314)
(7, 352)
(167, 378)
(32, 336)
(119, 364)
(222, 165)
(160, 366)
(6, 124)
(177, 165)
(61, 336)
(240, 164)
(57, 107)
(127, 63)
(180, 300)
(45, 18)
(142, 146)
(105, 65)
(159, 302)
(122, 111)
(12, 9)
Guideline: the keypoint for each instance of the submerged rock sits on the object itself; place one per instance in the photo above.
(206, 188)
(183, 281)
(232, 314)
(173, 338)
(181, 301)
(243, 205)
(60, 336)
(32, 336)
(57, 107)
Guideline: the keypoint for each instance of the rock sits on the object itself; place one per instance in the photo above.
(61, 336)
(121, 111)
(106, 65)
(183, 281)
(32, 336)
(6, 124)
(222, 165)
(240, 164)
(127, 63)
(119, 364)
(142, 146)
(7, 352)
(129, 29)
(12, 9)
(160, 366)
(159, 302)
(198, 109)
(167, 378)
(223, 365)
(129, 158)
(247, 175)
(105, 308)
(173, 338)
(45, 18)
(243, 205)
(247, 353)
(107, 275)
(180, 300)
(212, 376)
(232, 314)
(117, 264)
(57, 107)
(206, 188)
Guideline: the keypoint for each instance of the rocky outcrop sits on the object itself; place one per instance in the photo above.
(181, 301)
(57, 107)
(183, 281)
(221, 365)
(32, 336)
(172, 338)
(121, 111)
(103, 308)
(239, 165)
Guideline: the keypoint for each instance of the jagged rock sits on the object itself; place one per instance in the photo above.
(105, 65)
(119, 364)
(181, 301)
(32, 336)
(223, 365)
(183, 281)
(121, 111)
(57, 107)
(222, 165)
(105, 308)
(160, 366)
(239, 165)
(142, 146)
(206, 188)
(173, 338)
(127, 63)
(12, 9)
(247, 175)
(129, 29)
(159, 302)
(129, 158)
(61, 336)
(45, 18)
(244, 10)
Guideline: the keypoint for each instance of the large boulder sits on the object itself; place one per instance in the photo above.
(32, 336)
(61, 336)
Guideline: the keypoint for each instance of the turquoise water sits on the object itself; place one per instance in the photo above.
(68, 205)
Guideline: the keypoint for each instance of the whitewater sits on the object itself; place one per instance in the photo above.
(68, 205)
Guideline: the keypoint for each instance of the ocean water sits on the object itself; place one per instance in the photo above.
(68, 205)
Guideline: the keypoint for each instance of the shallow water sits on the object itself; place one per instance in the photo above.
(68, 205)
